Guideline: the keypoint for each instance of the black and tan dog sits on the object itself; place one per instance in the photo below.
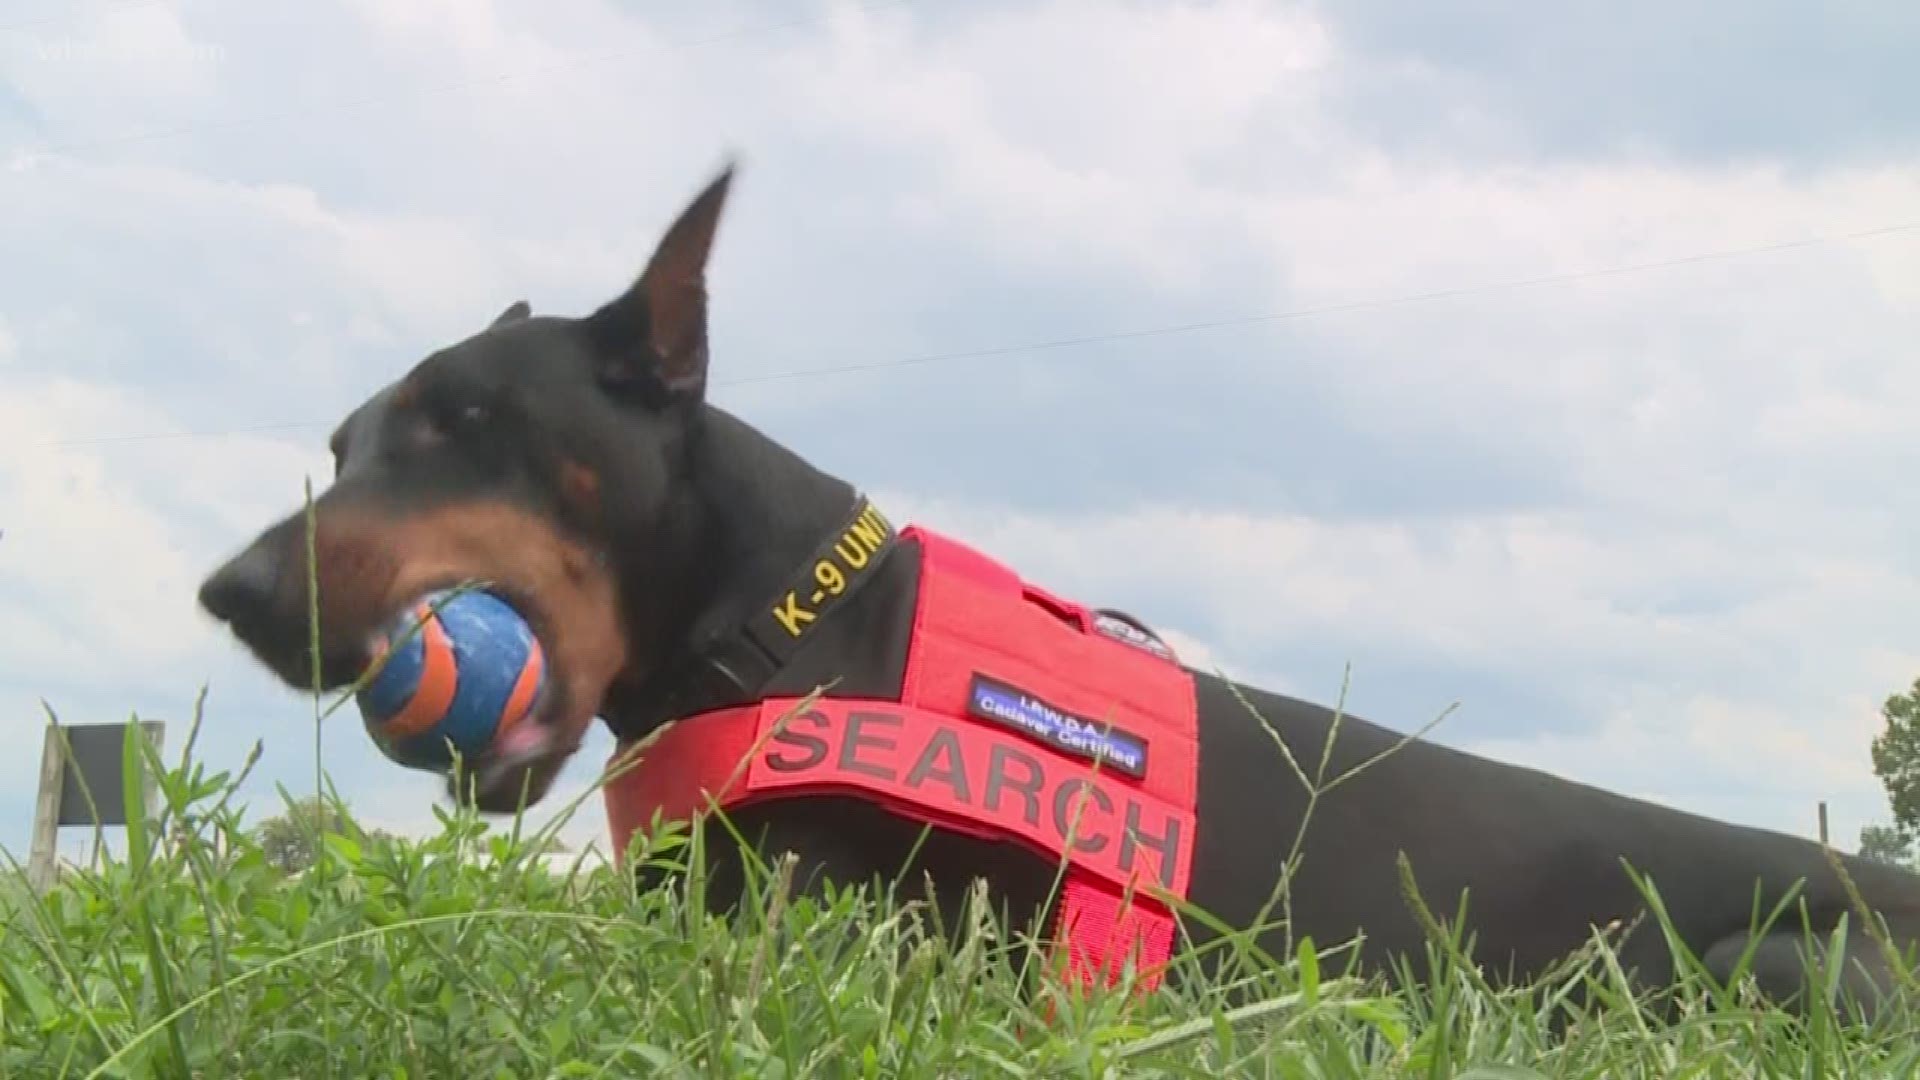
(576, 465)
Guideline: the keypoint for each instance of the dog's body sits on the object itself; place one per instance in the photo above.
(576, 467)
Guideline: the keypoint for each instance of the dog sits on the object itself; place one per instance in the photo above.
(576, 466)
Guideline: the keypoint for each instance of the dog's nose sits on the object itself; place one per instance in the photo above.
(242, 592)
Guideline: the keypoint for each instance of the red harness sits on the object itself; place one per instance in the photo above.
(1001, 733)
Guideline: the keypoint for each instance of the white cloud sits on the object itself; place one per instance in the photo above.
(98, 570)
(1764, 358)
(1070, 165)
(1726, 757)
(1477, 589)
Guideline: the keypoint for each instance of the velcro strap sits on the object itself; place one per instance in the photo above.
(1100, 930)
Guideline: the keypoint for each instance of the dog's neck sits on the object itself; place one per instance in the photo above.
(766, 510)
(757, 512)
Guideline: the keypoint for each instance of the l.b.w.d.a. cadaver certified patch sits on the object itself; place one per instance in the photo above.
(1009, 706)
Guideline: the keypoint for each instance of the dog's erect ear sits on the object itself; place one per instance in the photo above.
(516, 311)
(656, 333)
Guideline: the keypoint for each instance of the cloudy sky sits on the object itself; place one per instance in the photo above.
(1555, 360)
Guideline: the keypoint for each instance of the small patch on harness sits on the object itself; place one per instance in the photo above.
(1129, 631)
(1011, 707)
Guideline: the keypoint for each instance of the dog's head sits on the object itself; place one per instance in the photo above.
(510, 459)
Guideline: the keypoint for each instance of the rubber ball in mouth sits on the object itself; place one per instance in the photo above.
(455, 671)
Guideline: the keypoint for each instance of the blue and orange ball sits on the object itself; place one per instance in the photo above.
(454, 672)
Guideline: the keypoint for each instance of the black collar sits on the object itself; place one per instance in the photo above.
(734, 667)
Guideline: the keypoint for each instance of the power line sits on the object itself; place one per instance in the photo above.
(1329, 309)
(577, 62)
(1148, 332)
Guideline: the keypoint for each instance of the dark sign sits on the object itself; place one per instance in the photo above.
(94, 752)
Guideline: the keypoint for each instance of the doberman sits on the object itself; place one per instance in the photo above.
(576, 465)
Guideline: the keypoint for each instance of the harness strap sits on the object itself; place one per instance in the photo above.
(1099, 930)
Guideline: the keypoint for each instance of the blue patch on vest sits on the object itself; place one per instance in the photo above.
(1010, 707)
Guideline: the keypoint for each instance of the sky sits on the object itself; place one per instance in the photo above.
(1548, 363)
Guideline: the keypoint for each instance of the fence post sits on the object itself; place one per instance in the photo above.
(43, 853)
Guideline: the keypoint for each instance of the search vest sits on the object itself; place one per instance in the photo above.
(1022, 717)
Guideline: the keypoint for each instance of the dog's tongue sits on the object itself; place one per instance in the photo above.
(521, 741)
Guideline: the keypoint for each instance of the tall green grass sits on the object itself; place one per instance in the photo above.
(465, 955)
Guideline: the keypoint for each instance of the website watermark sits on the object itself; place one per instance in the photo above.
(108, 51)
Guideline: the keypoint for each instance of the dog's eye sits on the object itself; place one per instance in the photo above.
(458, 417)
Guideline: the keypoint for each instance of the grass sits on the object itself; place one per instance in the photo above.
(464, 955)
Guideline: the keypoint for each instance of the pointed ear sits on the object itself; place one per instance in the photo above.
(516, 311)
(654, 337)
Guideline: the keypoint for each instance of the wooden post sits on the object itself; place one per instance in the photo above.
(43, 853)
(1823, 823)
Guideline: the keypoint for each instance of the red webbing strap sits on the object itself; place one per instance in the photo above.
(1100, 930)
(690, 762)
